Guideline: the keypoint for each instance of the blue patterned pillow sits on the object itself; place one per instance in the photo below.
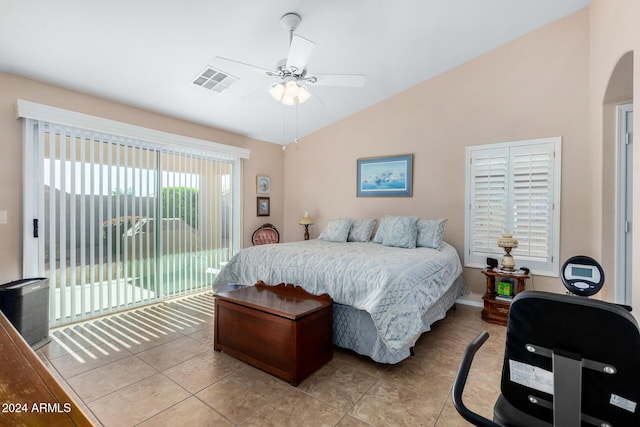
(400, 231)
(337, 230)
(431, 232)
(361, 230)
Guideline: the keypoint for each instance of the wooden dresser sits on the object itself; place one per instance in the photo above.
(29, 394)
(280, 329)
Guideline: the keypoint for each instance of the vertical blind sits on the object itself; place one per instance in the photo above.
(514, 187)
(125, 222)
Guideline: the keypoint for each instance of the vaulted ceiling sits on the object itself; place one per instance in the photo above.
(148, 53)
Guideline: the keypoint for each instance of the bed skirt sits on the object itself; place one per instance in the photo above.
(353, 329)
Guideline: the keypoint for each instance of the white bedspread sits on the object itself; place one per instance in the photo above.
(394, 285)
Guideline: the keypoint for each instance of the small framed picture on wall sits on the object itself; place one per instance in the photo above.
(263, 184)
(263, 206)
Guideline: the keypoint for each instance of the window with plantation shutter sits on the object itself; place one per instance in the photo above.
(514, 187)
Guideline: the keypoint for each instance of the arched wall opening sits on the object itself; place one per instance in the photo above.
(616, 177)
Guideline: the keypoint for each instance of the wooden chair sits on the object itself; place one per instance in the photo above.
(265, 234)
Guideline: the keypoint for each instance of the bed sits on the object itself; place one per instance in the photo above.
(384, 296)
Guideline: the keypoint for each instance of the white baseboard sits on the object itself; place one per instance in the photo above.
(472, 300)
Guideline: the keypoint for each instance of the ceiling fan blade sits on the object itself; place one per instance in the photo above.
(344, 80)
(262, 90)
(236, 64)
(299, 53)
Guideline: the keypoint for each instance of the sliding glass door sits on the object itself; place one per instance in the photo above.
(118, 222)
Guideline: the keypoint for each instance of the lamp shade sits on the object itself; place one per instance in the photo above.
(303, 94)
(277, 91)
(306, 219)
(507, 241)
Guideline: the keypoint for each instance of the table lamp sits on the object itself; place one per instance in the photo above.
(508, 242)
(306, 221)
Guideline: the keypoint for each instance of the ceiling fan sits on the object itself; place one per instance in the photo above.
(294, 80)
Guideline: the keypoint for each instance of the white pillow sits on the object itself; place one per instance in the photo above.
(431, 232)
(361, 230)
(337, 230)
(401, 232)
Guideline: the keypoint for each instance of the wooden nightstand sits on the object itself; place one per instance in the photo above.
(496, 311)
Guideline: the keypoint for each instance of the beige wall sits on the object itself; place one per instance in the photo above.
(533, 87)
(613, 32)
(265, 158)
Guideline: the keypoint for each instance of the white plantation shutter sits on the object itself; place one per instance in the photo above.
(488, 200)
(514, 187)
(532, 200)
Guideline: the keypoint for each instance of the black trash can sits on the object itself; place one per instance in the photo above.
(25, 303)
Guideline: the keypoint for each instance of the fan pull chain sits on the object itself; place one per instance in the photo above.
(296, 128)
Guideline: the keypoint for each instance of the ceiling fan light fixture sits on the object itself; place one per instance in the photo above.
(289, 93)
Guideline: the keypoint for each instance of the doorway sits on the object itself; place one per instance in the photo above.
(624, 204)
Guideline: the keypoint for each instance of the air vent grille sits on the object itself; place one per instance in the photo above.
(214, 80)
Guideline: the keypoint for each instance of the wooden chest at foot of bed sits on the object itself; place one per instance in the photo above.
(280, 329)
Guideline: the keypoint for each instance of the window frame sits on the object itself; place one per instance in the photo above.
(551, 266)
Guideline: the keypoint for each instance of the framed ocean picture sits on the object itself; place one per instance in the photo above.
(386, 176)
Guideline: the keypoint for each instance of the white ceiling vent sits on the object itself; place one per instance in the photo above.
(214, 80)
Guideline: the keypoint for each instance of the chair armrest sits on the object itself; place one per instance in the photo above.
(461, 380)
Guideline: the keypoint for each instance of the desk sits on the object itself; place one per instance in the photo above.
(29, 394)
(496, 311)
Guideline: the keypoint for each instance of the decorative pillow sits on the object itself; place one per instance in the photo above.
(431, 232)
(337, 230)
(361, 230)
(401, 232)
(380, 231)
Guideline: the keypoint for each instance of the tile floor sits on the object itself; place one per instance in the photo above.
(156, 367)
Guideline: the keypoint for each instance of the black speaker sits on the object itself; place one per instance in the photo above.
(492, 262)
(26, 304)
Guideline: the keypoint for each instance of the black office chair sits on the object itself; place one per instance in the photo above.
(569, 361)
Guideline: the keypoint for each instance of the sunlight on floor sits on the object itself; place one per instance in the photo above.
(132, 328)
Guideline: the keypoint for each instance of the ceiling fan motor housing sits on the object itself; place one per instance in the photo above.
(284, 72)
